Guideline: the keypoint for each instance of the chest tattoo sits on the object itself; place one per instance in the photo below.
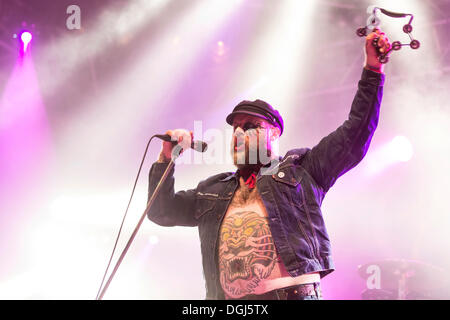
(247, 253)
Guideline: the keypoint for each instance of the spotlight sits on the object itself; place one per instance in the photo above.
(153, 239)
(26, 38)
(220, 50)
(401, 148)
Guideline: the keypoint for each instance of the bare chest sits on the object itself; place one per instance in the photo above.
(244, 197)
(247, 254)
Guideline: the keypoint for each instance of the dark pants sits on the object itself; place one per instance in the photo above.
(310, 291)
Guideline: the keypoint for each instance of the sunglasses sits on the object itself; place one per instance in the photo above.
(249, 126)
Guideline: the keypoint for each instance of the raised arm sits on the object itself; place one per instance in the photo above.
(346, 147)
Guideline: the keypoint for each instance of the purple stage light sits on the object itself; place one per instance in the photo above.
(26, 38)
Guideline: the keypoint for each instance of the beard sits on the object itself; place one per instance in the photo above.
(250, 154)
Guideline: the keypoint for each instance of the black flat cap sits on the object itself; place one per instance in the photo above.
(260, 109)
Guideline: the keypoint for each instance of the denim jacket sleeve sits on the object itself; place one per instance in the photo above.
(170, 208)
(344, 148)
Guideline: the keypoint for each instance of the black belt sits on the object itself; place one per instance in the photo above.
(296, 292)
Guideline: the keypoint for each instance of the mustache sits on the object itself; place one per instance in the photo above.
(250, 149)
(247, 137)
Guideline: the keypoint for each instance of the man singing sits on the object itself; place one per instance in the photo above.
(261, 228)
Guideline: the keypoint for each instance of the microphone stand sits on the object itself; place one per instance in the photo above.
(149, 205)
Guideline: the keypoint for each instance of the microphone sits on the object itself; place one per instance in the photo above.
(197, 145)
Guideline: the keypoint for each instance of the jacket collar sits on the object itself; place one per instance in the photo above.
(235, 175)
(231, 176)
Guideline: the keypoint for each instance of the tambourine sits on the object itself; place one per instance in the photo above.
(374, 21)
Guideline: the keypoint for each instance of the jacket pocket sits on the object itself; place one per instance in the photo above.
(288, 187)
(287, 176)
(205, 203)
(287, 183)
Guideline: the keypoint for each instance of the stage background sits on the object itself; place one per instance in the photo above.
(78, 108)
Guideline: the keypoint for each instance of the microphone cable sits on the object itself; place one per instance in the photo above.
(125, 215)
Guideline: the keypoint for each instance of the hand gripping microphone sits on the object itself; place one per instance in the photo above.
(197, 145)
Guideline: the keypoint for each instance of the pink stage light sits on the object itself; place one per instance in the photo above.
(399, 149)
(25, 151)
(26, 38)
(220, 51)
